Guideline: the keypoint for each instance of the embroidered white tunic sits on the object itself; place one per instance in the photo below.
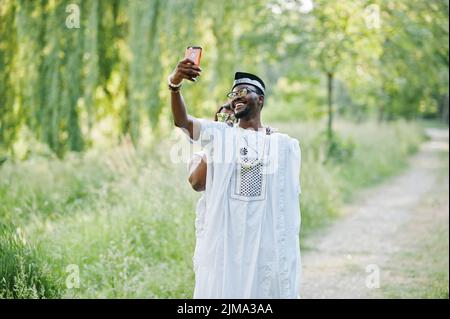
(248, 222)
(201, 203)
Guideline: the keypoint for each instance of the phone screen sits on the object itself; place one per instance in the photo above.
(194, 53)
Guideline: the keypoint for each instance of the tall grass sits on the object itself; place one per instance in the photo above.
(22, 273)
(126, 217)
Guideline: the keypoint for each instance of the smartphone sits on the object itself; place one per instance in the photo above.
(194, 53)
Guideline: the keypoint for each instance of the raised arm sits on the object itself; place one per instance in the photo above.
(185, 69)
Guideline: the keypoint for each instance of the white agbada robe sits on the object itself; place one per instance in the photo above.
(248, 220)
(200, 208)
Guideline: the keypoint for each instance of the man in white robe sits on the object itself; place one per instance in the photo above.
(248, 243)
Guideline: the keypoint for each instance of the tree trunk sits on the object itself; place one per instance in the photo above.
(381, 110)
(445, 109)
(330, 77)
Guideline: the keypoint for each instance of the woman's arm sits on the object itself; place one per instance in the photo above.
(197, 173)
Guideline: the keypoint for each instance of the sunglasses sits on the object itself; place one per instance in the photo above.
(240, 93)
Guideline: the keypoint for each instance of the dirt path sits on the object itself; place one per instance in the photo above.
(377, 228)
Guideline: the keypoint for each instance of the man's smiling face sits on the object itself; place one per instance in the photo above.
(246, 106)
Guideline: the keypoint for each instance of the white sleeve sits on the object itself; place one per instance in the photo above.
(295, 163)
(205, 130)
(195, 161)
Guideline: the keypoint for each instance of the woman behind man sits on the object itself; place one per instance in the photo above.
(197, 165)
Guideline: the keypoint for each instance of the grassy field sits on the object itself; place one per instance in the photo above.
(125, 218)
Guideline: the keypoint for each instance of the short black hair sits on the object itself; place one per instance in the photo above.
(258, 90)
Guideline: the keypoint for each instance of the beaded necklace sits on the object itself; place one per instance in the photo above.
(244, 151)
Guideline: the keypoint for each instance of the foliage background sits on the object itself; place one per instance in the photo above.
(71, 88)
(85, 122)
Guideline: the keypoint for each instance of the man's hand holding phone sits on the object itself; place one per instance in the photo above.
(188, 68)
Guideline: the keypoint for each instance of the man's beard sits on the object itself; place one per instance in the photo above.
(244, 113)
